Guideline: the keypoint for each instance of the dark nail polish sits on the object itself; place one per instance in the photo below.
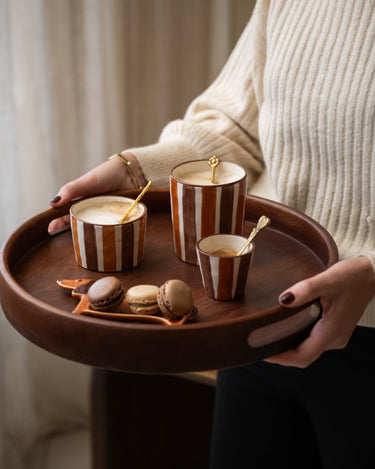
(287, 298)
(56, 199)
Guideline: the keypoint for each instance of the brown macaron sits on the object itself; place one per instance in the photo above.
(142, 299)
(105, 294)
(176, 300)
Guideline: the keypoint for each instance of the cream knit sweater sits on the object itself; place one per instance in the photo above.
(297, 96)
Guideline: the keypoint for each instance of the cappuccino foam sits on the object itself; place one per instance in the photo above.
(107, 213)
(199, 173)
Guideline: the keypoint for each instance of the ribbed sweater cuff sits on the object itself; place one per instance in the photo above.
(157, 160)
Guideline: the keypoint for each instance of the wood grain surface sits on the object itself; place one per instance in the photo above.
(293, 247)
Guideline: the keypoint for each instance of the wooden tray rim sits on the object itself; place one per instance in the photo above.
(49, 214)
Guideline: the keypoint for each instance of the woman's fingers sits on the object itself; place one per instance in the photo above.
(344, 291)
(58, 225)
(106, 177)
(308, 351)
(304, 291)
(81, 187)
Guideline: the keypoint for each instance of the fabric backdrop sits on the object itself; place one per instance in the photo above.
(79, 81)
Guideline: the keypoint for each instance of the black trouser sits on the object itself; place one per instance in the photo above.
(269, 416)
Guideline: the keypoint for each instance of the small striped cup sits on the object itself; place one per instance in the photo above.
(200, 208)
(224, 274)
(101, 243)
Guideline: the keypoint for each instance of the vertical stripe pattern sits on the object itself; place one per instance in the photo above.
(224, 278)
(198, 211)
(109, 248)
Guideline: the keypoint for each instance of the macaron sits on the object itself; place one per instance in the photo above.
(105, 294)
(175, 300)
(142, 299)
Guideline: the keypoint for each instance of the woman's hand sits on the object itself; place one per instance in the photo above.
(345, 289)
(108, 177)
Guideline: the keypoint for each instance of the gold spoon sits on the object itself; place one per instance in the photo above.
(145, 189)
(262, 223)
(213, 162)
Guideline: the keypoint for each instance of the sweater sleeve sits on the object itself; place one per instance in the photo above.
(223, 120)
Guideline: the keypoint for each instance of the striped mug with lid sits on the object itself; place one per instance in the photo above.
(200, 208)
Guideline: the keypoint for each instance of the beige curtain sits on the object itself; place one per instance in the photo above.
(80, 80)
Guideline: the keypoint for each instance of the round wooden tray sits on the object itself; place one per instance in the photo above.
(225, 334)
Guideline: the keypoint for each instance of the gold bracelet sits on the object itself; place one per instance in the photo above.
(134, 178)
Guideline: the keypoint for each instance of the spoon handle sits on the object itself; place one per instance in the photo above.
(262, 223)
(145, 189)
(213, 162)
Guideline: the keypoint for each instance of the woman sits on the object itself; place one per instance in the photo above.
(297, 96)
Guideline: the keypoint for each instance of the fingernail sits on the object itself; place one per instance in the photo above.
(56, 199)
(287, 298)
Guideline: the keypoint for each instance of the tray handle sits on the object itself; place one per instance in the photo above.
(302, 318)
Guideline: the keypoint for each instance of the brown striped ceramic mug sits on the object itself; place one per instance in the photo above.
(224, 273)
(201, 208)
(100, 242)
